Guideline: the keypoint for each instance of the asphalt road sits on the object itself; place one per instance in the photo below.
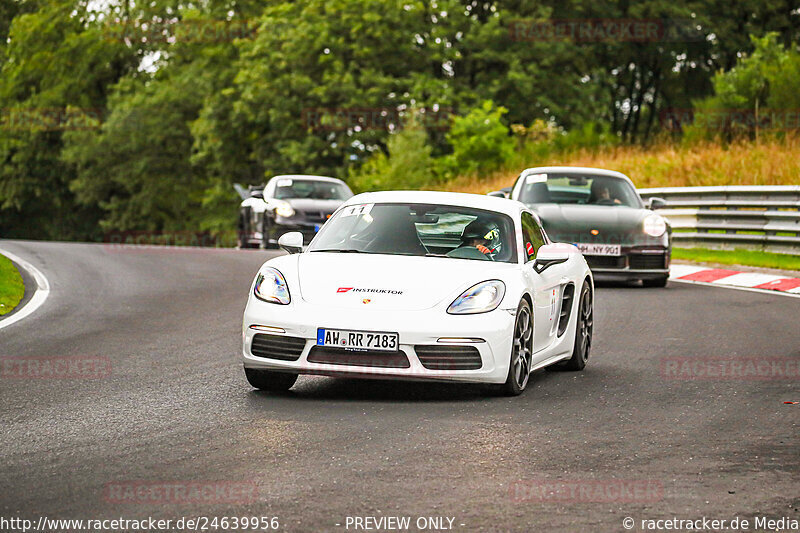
(176, 408)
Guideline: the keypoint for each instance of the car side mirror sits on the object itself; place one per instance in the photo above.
(505, 192)
(656, 203)
(549, 255)
(292, 242)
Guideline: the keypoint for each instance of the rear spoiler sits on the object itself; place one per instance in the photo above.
(244, 193)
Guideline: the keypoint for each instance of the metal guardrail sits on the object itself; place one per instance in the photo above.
(755, 217)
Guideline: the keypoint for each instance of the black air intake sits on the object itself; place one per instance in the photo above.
(340, 356)
(647, 262)
(566, 308)
(277, 347)
(449, 357)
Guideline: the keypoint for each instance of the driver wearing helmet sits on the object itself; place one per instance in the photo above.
(483, 235)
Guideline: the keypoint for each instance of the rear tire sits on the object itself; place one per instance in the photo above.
(270, 381)
(519, 368)
(658, 282)
(583, 331)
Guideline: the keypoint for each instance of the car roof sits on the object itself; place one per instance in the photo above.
(476, 201)
(583, 170)
(308, 177)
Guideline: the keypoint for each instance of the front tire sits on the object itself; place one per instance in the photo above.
(267, 380)
(583, 331)
(519, 368)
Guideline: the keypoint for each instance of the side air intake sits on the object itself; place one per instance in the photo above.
(566, 308)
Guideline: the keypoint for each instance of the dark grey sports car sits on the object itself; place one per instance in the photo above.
(289, 203)
(602, 214)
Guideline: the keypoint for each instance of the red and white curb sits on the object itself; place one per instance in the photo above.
(735, 280)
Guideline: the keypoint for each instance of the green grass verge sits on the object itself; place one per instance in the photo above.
(11, 286)
(738, 257)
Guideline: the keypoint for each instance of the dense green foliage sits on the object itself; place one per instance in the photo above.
(408, 165)
(759, 94)
(480, 140)
(163, 106)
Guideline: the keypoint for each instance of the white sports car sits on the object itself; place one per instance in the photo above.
(423, 286)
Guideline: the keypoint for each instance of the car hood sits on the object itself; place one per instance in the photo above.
(311, 204)
(574, 223)
(388, 282)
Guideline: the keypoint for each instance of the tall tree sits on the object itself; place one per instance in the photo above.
(55, 76)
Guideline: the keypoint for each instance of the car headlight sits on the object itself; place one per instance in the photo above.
(654, 225)
(480, 298)
(271, 287)
(283, 209)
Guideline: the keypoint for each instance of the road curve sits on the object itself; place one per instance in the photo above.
(37, 289)
(176, 408)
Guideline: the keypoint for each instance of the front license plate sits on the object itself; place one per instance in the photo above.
(599, 249)
(357, 340)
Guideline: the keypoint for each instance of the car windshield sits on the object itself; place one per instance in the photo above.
(289, 189)
(577, 188)
(419, 229)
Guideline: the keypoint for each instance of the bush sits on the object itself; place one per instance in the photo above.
(409, 164)
(758, 94)
(591, 136)
(481, 142)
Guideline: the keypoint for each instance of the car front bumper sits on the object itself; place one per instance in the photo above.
(490, 334)
(634, 263)
(248, 240)
(309, 230)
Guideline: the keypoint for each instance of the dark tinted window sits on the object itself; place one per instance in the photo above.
(532, 237)
(289, 189)
(575, 188)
